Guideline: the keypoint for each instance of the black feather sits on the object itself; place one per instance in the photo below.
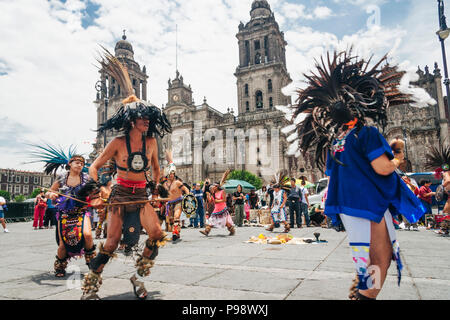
(339, 91)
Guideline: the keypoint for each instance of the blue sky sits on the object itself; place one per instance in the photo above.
(47, 64)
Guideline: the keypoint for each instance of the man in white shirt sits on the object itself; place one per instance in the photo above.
(2, 213)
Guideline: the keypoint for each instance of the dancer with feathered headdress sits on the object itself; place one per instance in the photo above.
(278, 208)
(438, 160)
(133, 154)
(73, 231)
(220, 217)
(333, 116)
(175, 189)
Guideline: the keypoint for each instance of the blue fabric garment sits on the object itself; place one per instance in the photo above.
(50, 204)
(199, 195)
(357, 190)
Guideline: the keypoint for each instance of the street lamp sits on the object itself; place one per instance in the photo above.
(101, 88)
(443, 34)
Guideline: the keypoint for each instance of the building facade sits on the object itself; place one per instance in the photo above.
(18, 182)
(205, 142)
(420, 127)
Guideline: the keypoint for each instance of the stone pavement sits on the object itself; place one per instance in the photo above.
(225, 268)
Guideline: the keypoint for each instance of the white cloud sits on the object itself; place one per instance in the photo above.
(298, 11)
(322, 12)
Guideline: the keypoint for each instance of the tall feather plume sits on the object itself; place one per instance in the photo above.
(119, 72)
(224, 177)
(132, 107)
(53, 157)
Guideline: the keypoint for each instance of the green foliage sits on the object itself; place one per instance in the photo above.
(19, 198)
(5, 194)
(35, 193)
(246, 176)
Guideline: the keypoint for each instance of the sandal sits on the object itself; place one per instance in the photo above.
(138, 287)
(60, 274)
(90, 296)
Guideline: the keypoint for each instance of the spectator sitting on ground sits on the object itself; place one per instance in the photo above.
(253, 200)
(316, 215)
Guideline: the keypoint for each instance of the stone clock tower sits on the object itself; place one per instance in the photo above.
(178, 92)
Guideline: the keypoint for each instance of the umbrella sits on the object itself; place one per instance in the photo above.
(231, 185)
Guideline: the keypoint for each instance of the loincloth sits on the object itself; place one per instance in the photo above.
(172, 206)
(131, 227)
(120, 193)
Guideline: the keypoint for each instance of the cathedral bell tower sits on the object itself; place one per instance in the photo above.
(262, 71)
(110, 95)
(178, 92)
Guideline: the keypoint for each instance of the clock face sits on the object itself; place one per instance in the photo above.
(175, 98)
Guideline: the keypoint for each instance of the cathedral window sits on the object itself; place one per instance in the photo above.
(258, 58)
(247, 106)
(257, 45)
(246, 90)
(266, 48)
(259, 100)
(269, 85)
(247, 53)
(271, 102)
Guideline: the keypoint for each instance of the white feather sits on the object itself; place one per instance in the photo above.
(293, 148)
(288, 129)
(419, 95)
(301, 117)
(292, 137)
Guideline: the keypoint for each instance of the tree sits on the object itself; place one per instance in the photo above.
(246, 176)
(5, 194)
(19, 198)
(35, 193)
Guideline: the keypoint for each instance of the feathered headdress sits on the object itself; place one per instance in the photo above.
(224, 178)
(170, 165)
(281, 178)
(55, 157)
(438, 160)
(343, 93)
(133, 108)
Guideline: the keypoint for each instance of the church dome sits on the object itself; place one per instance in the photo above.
(260, 8)
(124, 49)
(260, 4)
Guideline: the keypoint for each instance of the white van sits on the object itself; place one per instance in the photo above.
(321, 188)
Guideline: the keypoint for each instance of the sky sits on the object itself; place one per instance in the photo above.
(48, 53)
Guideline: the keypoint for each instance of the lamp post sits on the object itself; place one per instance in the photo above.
(100, 86)
(443, 34)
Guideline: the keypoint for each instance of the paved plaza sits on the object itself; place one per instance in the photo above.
(220, 267)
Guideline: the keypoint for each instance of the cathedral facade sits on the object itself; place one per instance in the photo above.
(205, 142)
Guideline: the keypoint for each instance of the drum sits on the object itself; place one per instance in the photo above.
(189, 205)
(440, 192)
